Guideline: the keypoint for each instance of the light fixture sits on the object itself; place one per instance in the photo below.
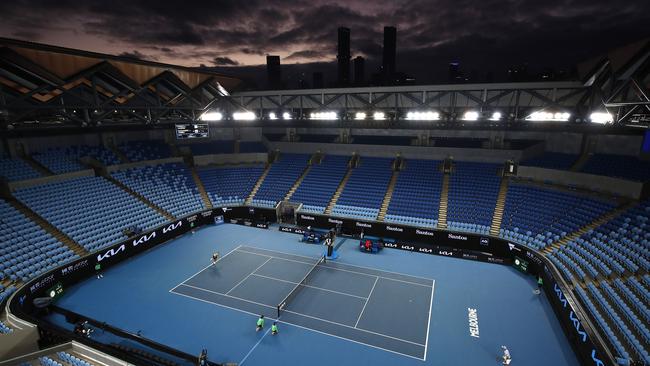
(496, 116)
(548, 116)
(286, 116)
(423, 116)
(360, 116)
(243, 116)
(211, 116)
(323, 115)
(273, 116)
(470, 116)
(379, 116)
(601, 118)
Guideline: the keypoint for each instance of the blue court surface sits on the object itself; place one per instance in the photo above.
(350, 302)
(390, 308)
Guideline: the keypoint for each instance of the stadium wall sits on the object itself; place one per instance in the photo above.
(579, 330)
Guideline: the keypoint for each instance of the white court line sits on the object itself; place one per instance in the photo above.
(364, 305)
(284, 259)
(255, 346)
(245, 278)
(210, 265)
(314, 287)
(351, 327)
(426, 342)
(338, 269)
(301, 327)
(230, 296)
(308, 316)
(345, 264)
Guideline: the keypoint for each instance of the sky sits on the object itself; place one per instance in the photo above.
(234, 37)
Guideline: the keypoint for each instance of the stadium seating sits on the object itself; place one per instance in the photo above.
(619, 166)
(16, 169)
(616, 247)
(57, 161)
(552, 160)
(365, 190)
(473, 190)
(90, 210)
(6, 292)
(252, 147)
(170, 186)
(26, 250)
(4, 329)
(537, 216)
(635, 333)
(229, 185)
(213, 147)
(416, 198)
(65, 160)
(320, 183)
(72, 360)
(282, 175)
(145, 150)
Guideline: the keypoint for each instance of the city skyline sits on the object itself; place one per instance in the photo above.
(235, 37)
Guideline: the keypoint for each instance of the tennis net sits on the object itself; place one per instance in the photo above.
(296, 289)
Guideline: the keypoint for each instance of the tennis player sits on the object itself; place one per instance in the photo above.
(506, 356)
(215, 257)
(274, 328)
(260, 323)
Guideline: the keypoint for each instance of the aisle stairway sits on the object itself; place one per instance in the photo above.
(594, 224)
(199, 184)
(297, 184)
(49, 228)
(339, 190)
(119, 154)
(141, 198)
(580, 162)
(444, 197)
(257, 186)
(37, 166)
(388, 196)
(497, 218)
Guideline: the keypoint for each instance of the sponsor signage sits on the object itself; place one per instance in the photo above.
(72, 268)
(421, 240)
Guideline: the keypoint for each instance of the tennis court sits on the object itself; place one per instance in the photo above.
(380, 309)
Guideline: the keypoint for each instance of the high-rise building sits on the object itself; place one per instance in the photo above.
(454, 75)
(273, 72)
(359, 70)
(390, 52)
(343, 56)
(317, 80)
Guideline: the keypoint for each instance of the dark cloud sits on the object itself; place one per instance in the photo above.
(224, 61)
(135, 54)
(308, 54)
(486, 35)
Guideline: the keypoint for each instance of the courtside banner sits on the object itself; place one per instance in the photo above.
(587, 343)
(409, 234)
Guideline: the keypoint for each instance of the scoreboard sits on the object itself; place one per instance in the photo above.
(192, 131)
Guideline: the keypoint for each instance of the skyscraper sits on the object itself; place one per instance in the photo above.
(359, 70)
(390, 51)
(317, 80)
(343, 56)
(273, 72)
